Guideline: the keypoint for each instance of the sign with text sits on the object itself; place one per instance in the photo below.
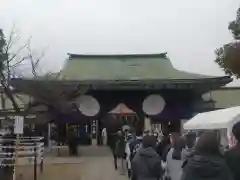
(18, 125)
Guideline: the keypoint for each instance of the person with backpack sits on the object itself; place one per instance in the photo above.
(132, 146)
(135, 145)
(146, 163)
(174, 158)
(131, 137)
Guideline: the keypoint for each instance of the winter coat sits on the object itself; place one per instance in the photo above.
(113, 138)
(120, 147)
(146, 165)
(162, 146)
(165, 152)
(232, 157)
(187, 152)
(206, 167)
(134, 146)
(174, 167)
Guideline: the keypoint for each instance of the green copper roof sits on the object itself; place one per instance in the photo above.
(123, 67)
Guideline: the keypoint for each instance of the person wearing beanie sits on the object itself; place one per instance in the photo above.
(146, 164)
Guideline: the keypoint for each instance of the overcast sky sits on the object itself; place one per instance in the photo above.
(189, 30)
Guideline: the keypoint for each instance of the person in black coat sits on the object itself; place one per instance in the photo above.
(206, 162)
(112, 141)
(73, 142)
(232, 156)
(146, 164)
(161, 146)
(166, 149)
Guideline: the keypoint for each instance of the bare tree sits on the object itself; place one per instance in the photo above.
(49, 89)
(10, 60)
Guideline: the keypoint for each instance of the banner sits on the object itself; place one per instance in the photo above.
(18, 125)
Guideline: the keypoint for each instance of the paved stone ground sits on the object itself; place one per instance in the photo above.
(101, 168)
(95, 163)
(98, 164)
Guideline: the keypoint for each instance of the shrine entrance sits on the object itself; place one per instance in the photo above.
(60, 133)
(124, 115)
(87, 88)
(83, 132)
(118, 117)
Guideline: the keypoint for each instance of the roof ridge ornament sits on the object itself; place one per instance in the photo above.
(160, 55)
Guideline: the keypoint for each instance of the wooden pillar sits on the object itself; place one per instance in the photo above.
(147, 124)
(49, 137)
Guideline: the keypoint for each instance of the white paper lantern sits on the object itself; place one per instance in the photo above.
(153, 104)
(88, 105)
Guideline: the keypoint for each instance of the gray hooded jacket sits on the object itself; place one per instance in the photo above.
(146, 165)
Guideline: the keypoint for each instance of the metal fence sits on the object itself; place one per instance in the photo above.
(20, 151)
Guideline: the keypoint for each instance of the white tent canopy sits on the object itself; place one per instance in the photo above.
(218, 119)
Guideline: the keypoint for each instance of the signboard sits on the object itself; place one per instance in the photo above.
(94, 129)
(18, 125)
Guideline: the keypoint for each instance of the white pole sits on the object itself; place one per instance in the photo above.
(16, 156)
(49, 137)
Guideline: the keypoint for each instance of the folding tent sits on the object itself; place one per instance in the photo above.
(218, 119)
(222, 119)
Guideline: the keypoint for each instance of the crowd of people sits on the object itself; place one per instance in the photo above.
(173, 156)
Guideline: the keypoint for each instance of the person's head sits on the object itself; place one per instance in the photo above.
(119, 133)
(149, 141)
(177, 144)
(208, 143)
(174, 136)
(129, 136)
(190, 139)
(138, 133)
(166, 139)
(146, 133)
(236, 131)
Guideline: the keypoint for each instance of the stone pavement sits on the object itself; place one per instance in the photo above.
(98, 164)
(95, 163)
(100, 168)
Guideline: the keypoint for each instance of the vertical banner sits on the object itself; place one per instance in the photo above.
(18, 129)
(18, 125)
(94, 129)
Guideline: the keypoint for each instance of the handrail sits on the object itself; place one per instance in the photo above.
(27, 148)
